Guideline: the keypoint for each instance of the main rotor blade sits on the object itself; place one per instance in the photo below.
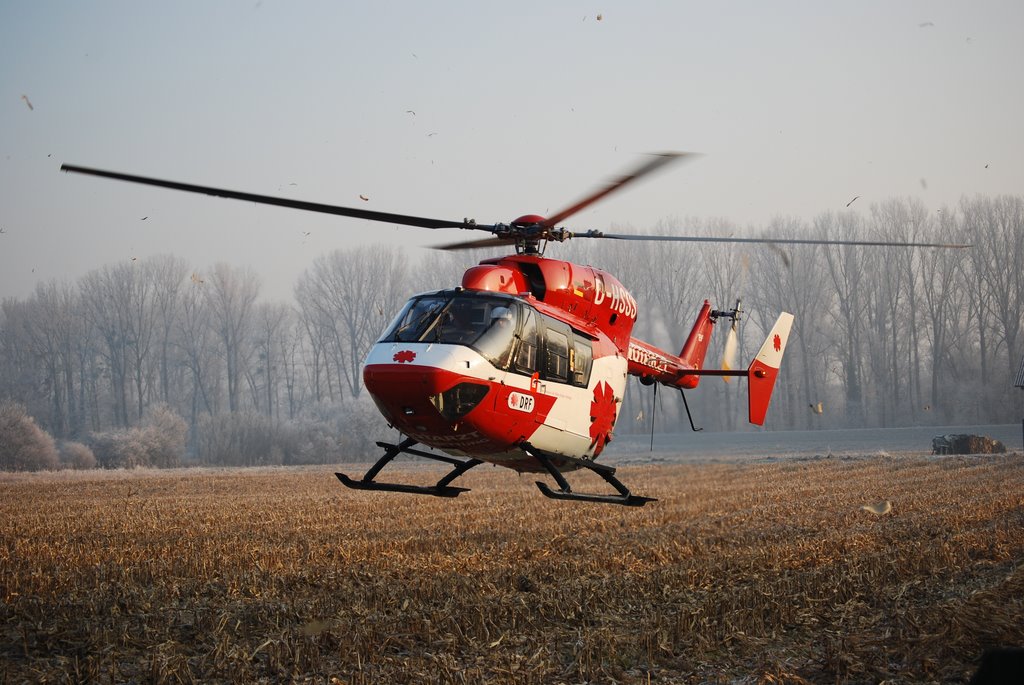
(659, 160)
(771, 241)
(369, 215)
(475, 244)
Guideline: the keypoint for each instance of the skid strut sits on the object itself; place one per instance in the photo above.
(440, 489)
(625, 497)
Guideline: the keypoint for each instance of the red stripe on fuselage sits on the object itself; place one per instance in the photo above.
(403, 393)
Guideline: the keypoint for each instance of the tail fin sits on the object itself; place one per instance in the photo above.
(696, 347)
(762, 372)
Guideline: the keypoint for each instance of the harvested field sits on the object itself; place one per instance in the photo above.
(743, 572)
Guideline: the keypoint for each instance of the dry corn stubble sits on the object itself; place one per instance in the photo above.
(761, 572)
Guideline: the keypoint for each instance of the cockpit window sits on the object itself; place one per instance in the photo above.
(495, 343)
(509, 334)
(483, 322)
(526, 353)
(415, 319)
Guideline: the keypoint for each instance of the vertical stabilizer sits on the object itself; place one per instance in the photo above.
(763, 371)
(696, 347)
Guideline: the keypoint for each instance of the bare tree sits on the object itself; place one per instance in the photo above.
(998, 224)
(943, 305)
(348, 297)
(108, 294)
(316, 326)
(54, 327)
(168, 275)
(294, 362)
(197, 347)
(231, 296)
(19, 363)
(794, 279)
(271, 325)
(848, 271)
(893, 291)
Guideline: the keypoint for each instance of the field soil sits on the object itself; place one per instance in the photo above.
(778, 571)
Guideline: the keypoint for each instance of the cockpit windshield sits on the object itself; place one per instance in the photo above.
(483, 322)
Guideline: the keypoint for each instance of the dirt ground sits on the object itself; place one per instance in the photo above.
(852, 569)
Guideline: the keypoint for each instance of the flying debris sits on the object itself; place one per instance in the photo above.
(851, 201)
(315, 628)
(782, 253)
(878, 508)
(27, 102)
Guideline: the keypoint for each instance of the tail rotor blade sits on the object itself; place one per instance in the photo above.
(730, 358)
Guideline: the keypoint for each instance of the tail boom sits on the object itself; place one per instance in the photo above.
(653, 365)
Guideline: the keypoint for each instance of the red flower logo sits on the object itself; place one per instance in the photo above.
(602, 417)
(777, 342)
(404, 356)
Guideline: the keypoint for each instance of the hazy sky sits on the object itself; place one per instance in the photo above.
(483, 110)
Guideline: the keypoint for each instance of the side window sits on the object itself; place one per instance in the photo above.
(526, 353)
(581, 358)
(556, 355)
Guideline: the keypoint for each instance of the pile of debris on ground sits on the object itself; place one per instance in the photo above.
(959, 443)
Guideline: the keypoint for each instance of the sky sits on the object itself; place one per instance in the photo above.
(483, 110)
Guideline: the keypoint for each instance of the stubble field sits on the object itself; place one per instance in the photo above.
(742, 572)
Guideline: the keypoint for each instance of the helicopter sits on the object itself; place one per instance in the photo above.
(525, 364)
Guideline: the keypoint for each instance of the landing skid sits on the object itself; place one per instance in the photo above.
(625, 497)
(440, 489)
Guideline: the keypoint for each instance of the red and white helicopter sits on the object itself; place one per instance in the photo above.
(524, 365)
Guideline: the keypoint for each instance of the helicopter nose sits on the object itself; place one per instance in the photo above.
(402, 392)
(422, 398)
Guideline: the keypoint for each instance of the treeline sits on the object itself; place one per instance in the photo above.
(883, 336)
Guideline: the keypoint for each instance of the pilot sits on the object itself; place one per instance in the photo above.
(502, 317)
(496, 344)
